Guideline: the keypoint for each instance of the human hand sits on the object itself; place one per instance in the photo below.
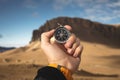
(67, 54)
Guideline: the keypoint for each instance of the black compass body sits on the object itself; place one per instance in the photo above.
(61, 34)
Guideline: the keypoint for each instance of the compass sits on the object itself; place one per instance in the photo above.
(61, 34)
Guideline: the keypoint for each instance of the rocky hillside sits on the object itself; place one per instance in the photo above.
(86, 30)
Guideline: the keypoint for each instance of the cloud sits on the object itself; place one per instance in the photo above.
(2, 1)
(60, 4)
(114, 4)
(1, 36)
(35, 14)
(92, 9)
(30, 4)
(100, 10)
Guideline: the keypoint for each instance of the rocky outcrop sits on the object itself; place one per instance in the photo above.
(85, 29)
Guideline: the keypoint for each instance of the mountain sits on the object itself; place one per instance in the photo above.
(85, 29)
(2, 49)
(99, 60)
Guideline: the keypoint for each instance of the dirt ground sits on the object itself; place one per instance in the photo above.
(99, 62)
(28, 72)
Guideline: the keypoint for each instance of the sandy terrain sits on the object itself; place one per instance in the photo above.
(99, 62)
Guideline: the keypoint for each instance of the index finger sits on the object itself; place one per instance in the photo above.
(46, 36)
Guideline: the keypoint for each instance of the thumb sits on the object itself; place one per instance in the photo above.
(46, 36)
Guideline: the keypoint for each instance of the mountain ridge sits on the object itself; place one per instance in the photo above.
(85, 29)
(3, 49)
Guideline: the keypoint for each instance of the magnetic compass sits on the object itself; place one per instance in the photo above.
(61, 34)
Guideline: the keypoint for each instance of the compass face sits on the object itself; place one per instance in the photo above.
(61, 34)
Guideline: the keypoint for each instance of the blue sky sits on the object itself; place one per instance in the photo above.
(18, 18)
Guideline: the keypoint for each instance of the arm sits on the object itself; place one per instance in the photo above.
(67, 55)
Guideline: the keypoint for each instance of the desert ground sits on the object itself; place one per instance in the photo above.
(99, 62)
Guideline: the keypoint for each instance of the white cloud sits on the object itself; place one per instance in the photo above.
(100, 9)
(116, 12)
(1, 36)
(101, 1)
(35, 14)
(107, 18)
(104, 10)
(60, 4)
(82, 3)
(114, 4)
(30, 4)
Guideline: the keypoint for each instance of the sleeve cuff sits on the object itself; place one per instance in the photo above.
(49, 73)
(65, 71)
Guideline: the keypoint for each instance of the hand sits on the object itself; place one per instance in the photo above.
(67, 54)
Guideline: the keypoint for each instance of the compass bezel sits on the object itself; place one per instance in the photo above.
(62, 28)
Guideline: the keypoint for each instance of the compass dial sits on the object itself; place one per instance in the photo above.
(61, 34)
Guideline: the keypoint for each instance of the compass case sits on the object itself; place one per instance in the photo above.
(61, 34)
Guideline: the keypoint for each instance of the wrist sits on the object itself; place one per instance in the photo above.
(65, 62)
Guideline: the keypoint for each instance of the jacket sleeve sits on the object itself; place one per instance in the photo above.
(49, 73)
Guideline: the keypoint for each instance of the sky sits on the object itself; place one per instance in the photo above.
(18, 18)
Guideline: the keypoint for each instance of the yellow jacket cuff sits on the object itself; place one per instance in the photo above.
(64, 70)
